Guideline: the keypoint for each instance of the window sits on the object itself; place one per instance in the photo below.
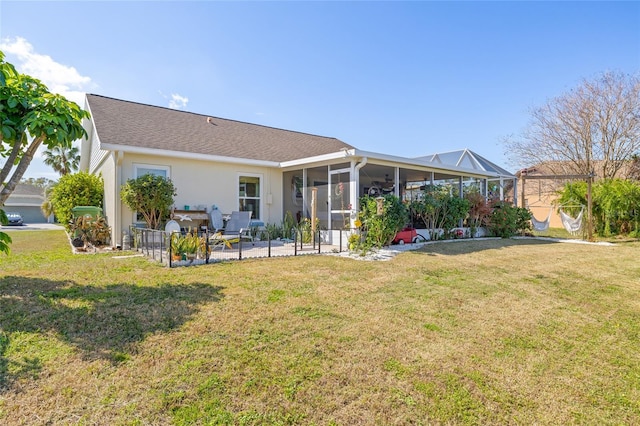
(249, 195)
(144, 169)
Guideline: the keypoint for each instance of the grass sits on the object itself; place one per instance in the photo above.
(472, 332)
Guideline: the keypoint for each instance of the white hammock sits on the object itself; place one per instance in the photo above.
(543, 225)
(570, 224)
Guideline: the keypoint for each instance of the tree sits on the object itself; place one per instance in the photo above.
(78, 189)
(31, 116)
(40, 182)
(151, 196)
(63, 160)
(47, 205)
(594, 127)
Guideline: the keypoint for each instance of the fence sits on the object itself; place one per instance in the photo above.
(202, 247)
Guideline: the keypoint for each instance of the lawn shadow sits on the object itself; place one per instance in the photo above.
(102, 322)
(472, 245)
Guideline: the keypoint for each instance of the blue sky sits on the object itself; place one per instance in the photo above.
(401, 78)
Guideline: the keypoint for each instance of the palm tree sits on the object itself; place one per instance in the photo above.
(62, 160)
(47, 206)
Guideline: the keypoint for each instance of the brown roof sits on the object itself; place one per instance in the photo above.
(138, 125)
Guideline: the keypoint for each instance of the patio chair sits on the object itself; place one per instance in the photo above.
(236, 229)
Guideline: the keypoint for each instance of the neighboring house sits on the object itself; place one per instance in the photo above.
(538, 191)
(241, 166)
(26, 200)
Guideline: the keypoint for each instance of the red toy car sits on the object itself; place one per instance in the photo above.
(407, 235)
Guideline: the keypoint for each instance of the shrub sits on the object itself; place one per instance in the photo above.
(506, 220)
(78, 189)
(616, 205)
(380, 229)
(90, 230)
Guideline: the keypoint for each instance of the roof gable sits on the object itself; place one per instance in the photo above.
(131, 124)
(467, 159)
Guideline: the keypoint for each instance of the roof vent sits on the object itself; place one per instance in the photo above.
(209, 120)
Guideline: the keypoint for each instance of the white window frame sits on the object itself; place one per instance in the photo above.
(260, 196)
(136, 167)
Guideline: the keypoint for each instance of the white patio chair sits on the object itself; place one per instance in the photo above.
(236, 229)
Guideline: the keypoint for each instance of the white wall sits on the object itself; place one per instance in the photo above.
(207, 183)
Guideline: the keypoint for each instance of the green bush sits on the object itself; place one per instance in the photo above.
(78, 189)
(616, 205)
(506, 220)
(380, 229)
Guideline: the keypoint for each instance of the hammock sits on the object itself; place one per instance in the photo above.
(570, 224)
(543, 225)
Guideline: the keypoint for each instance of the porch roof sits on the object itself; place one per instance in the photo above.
(479, 167)
(467, 159)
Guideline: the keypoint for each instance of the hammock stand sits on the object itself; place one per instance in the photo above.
(588, 177)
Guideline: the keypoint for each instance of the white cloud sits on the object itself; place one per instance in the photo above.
(178, 101)
(59, 78)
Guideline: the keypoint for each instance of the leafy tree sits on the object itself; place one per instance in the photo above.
(63, 160)
(594, 125)
(31, 116)
(479, 211)
(79, 189)
(150, 195)
(439, 209)
(40, 182)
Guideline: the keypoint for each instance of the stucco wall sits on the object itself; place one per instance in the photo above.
(205, 183)
(110, 202)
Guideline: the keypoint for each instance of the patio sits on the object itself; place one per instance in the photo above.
(153, 244)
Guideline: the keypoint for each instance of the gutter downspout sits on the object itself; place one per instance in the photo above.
(355, 198)
(117, 204)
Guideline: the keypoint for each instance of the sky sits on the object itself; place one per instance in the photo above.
(399, 78)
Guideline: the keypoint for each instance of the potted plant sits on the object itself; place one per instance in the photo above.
(190, 247)
(177, 246)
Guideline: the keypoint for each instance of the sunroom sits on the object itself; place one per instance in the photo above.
(331, 185)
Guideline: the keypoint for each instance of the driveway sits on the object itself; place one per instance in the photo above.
(33, 227)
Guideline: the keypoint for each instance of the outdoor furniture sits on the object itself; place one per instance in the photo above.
(236, 229)
(199, 218)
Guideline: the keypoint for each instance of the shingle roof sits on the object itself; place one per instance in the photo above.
(138, 125)
(28, 189)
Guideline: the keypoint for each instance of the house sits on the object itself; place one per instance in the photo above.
(241, 166)
(27, 200)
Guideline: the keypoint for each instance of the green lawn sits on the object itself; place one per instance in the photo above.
(471, 332)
